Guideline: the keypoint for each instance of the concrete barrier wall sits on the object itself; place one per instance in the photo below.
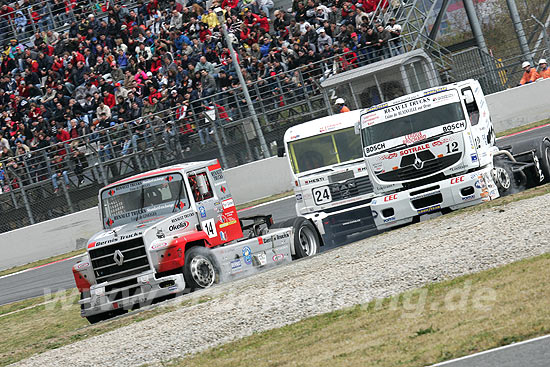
(259, 179)
(511, 108)
(520, 106)
(49, 238)
(58, 236)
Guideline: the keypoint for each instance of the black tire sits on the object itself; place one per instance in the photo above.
(201, 270)
(306, 240)
(544, 159)
(504, 177)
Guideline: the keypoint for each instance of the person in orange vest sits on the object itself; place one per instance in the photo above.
(341, 105)
(530, 74)
(544, 70)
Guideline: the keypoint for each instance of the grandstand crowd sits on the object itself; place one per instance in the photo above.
(59, 89)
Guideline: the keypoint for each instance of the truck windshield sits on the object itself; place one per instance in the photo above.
(145, 199)
(413, 123)
(324, 150)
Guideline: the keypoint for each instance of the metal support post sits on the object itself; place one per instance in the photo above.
(518, 26)
(255, 121)
(216, 135)
(544, 33)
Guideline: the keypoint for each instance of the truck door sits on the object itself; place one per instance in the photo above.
(479, 127)
(216, 213)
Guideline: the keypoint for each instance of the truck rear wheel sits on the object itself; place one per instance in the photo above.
(306, 238)
(201, 269)
(544, 160)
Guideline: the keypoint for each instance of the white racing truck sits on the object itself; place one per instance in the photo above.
(330, 181)
(173, 229)
(434, 151)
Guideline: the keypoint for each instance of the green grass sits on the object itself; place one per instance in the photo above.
(385, 334)
(521, 128)
(265, 200)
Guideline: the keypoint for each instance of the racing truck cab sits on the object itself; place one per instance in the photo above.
(331, 184)
(173, 229)
(429, 151)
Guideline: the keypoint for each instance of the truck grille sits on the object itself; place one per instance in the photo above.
(350, 188)
(430, 167)
(134, 260)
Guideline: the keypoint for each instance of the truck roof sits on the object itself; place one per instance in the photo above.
(322, 125)
(186, 166)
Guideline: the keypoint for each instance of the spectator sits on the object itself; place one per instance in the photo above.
(59, 169)
(529, 75)
(341, 106)
(544, 71)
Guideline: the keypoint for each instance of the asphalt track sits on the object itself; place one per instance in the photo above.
(58, 276)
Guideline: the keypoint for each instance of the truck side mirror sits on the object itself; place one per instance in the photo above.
(281, 151)
(468, 96)
(202, 185)
(357, 127)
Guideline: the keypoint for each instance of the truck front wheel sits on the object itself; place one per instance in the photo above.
(306, 238)
(544, 160)
(201, 269)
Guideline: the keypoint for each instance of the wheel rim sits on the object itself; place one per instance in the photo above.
(503, 178)
(202, 271)
(307, 241)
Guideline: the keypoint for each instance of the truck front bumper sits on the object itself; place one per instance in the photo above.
(452, 193)
(129, 293)
(334, 226)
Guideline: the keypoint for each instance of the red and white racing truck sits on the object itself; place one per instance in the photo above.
(173, 229)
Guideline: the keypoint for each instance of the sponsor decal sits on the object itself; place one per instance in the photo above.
(180, 205)
(109, 222)
(377, 107)
(202, 211)
(329, 127)
(173, 288)
(454, 126)
(469, 197)
(477, 184)
(375, 147)
(474, 157)
(180, 217)
(456, 180)
(390, 197)
(236, 265)
(228, 203)
(294, 137)
(119, 238)
(223, 236)
(247, 255)
(223, 189)
(351, 222)
(374, 214)
(378, 167)
(159, 245)
(390, 219)
(260, 241)
(169, 178)
(415, 149)
(226, 224)
(298, 197)
(314, 180)
(387, 156)
(176, 227)
(111, 192)
(433, 91)
(413, 138)
(278, 257)
(429, 209)
(217, 174)
(82, 265)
